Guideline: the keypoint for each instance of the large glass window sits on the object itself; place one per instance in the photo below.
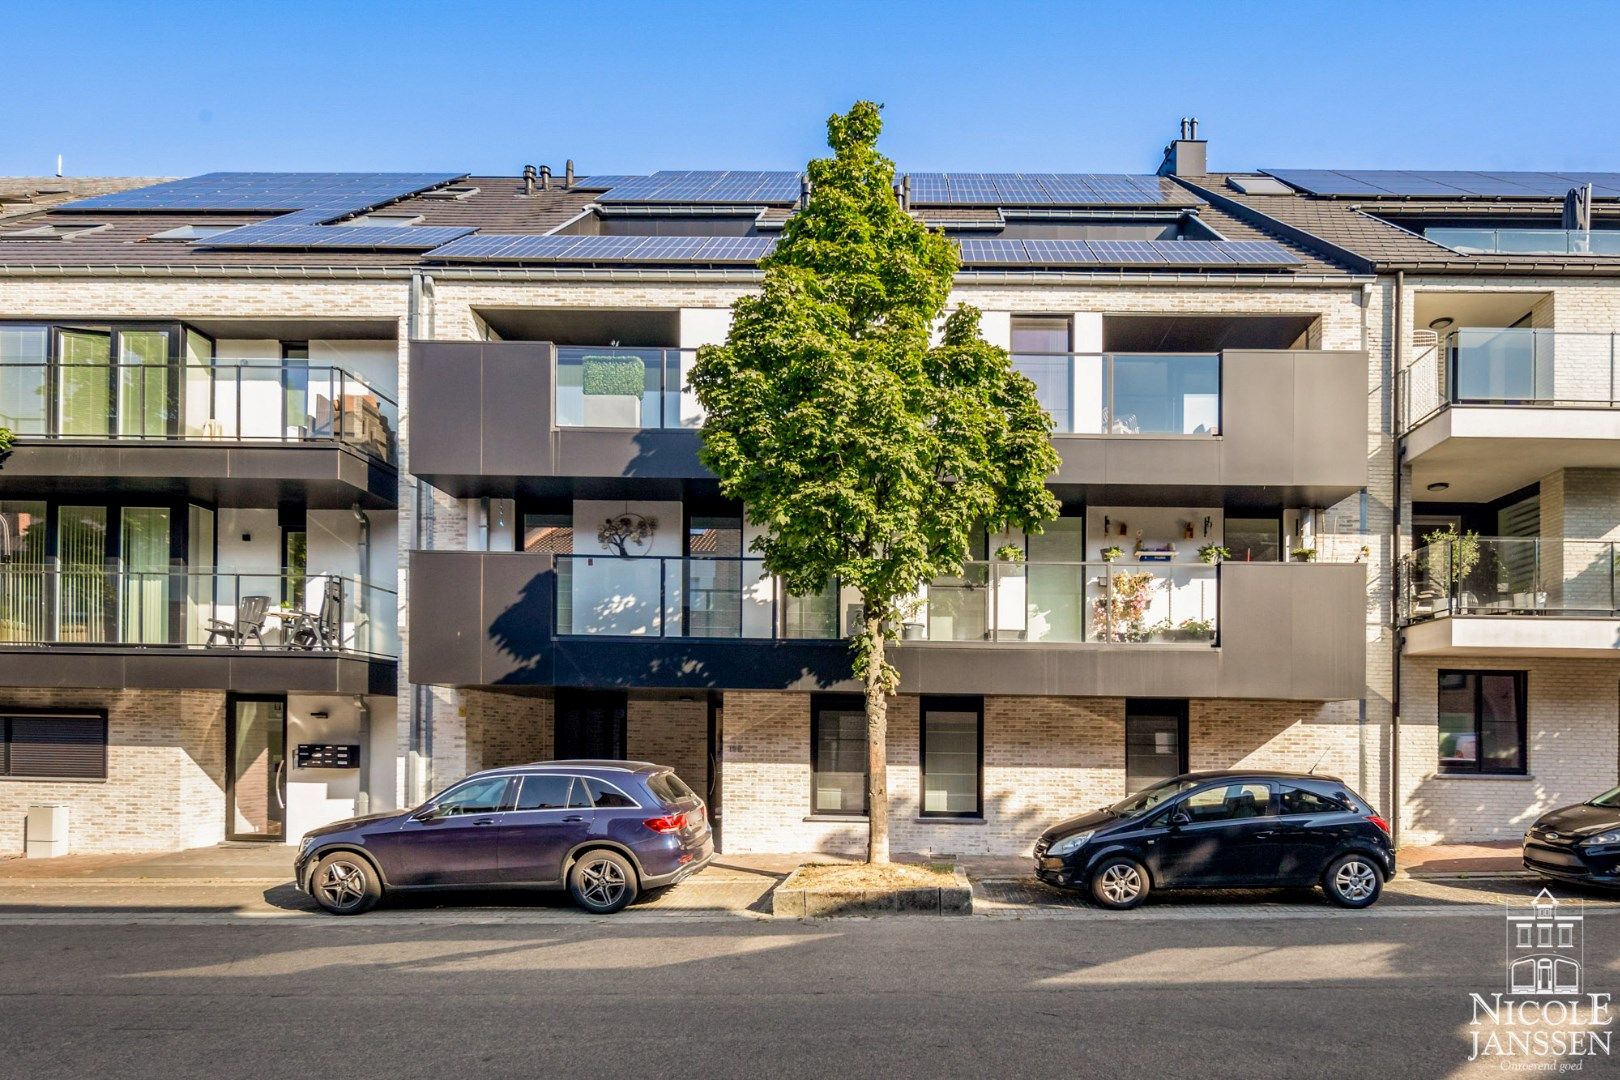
(952, 756)
(1482, 722)
(1253, 539)
(144, 544)
(83, 390)
(1040, 348)
(837, 754)
(81, 552)
(548, 534)
(714, 599)
(146, 391)
(24, 353)
(1158, 394)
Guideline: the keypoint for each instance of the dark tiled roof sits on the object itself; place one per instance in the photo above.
(1365, 239)
(31, 194)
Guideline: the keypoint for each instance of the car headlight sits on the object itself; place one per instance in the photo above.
(1069, 844)
(1604, 838)
(305, 844)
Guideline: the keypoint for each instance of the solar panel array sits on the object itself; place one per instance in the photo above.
(1045, 189)
(731, 188)
(497, 247)
(1142, 254)
(329, 195)
(368, 238)
(1446, 183)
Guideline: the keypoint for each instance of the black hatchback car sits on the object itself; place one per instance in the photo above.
(603, 830)
(1224, 830)
(1578, 843)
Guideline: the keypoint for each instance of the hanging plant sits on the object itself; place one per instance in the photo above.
(1213, 553)
(1009, 553)
(1112, 552)
(619, 532)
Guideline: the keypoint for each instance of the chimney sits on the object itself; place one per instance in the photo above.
(545, 178)
(528, 179)
(804, 191)
(568, 174)
(1186, 155)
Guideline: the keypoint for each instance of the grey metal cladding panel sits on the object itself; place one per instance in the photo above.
(515, 409)
(1257, 417)
(1330, 410)
(447, 626)
(1291, 630)
(650, 454)
(446, 407)
(1059, 671)
(517, 600)
(1143, 459)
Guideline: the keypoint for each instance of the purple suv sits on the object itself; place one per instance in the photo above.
(603, 830)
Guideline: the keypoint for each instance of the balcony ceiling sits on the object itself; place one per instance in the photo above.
(1514, 636)
(1484, 452)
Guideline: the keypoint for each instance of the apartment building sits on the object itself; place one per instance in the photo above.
(330, 489)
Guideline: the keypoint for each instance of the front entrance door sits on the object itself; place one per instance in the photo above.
(590, 724)
(256, 767)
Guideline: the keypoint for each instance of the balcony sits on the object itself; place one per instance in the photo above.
(1278, 630)
(1527, 241)
(1490, 410)
(1511, 596)
(1285, 425)
(241, 433)
(185, 628)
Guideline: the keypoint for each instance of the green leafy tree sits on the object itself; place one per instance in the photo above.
(867, 454)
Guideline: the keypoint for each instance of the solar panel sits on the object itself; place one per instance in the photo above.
(371, 238)
(496, 247)
(335, 193)
(735, 187)
(1044, 189)
(1446, 183)
(1127, 253)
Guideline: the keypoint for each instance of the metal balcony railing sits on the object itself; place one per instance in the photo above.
(1069, 602)
(237, 401)
(1127, 393)
(177, 606)
(1497, 575)
(1527, 241)
(1515, 366)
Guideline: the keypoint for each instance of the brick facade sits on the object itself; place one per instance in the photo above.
(165, 786)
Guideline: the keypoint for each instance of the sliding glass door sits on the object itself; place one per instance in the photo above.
(83, 382)
(82, 606)
(144, 543)
(147, 385)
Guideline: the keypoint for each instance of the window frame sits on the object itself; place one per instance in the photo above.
(1521, 702)
(949, 703)
(95, 716)
(820, 703)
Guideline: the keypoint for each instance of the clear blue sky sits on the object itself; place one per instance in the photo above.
(180, 87)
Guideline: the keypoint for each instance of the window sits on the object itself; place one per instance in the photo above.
(669, 788)
(1229, 803)
(548, 534)
(53, 746)
(837, 754)
(486, 796)
(952, 751)
(544, 792)
(1253, 539)
(605, 796)
(1297, 800)
(1040, 348)
(1524, 935)
(1482, 722)
(1155, 742)
(1566, 936)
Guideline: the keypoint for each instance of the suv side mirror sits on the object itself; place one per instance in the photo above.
(1179, 818)
(426, 813)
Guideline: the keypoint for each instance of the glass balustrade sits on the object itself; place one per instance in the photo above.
(636, 389)
(1127, 393)
(1497, 575)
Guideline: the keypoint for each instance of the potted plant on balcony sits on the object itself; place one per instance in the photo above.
(1210, 554)
(1112, 553)
(1461, 552)
(1303, 554)
(1118, 614)
(612, 388)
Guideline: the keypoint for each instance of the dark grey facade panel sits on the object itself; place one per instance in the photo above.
(1287, 631)
(195, 669)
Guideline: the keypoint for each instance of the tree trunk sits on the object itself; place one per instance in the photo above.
(877, 749)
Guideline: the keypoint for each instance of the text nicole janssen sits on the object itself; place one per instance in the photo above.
(1562, 1027)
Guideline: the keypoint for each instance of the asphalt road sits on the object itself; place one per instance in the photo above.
(427, 993)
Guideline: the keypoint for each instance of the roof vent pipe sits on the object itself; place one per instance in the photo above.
(905, 192)
(804, 191)
(568, 174)
(1187, 155)
(545, 178)
(528, 179)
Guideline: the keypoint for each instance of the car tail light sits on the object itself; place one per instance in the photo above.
(667, 823)
(1380, 822)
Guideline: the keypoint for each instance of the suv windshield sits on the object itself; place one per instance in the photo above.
(1608, 798)
(1144, 801)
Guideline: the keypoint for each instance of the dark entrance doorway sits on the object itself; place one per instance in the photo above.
(1155, 741)
(255, 767)
(590, 724)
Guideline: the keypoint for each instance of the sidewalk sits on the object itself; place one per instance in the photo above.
(234, 864)
(1446, 860)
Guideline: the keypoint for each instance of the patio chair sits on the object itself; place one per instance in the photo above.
(322, 630)
(249, 623)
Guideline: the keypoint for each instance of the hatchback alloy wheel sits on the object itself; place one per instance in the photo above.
(1121, 883)
(1355, 880)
